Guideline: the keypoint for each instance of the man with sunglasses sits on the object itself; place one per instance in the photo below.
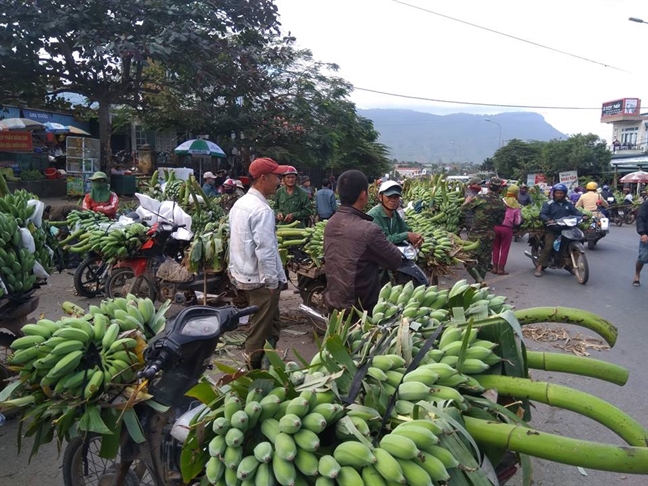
(386, 216)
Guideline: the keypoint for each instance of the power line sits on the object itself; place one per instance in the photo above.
(511, 36)
(475, 103)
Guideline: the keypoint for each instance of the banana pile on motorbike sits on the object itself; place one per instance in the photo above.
(209, 247)
(109, 240)
(24, 243)
(401, 403)
(81, 368)
(439, 198)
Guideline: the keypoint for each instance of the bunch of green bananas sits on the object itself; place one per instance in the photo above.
(315, 246)
(85, 220)
(209, 248)
(174, 190)
(266, 437)
(531, 217)
(82, 359)
(111, 244)
(17, 268)
(289, 235)
(442, 199)
(15, 205)
(43, 253)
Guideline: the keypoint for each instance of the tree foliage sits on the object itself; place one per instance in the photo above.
(586, 154)
(101, 48)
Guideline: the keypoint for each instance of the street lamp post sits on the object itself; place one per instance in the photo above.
(499, 138)
(639, 21)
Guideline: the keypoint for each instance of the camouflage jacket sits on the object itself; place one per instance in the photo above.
(488, 211)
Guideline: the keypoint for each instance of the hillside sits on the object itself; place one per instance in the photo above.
(460, 137)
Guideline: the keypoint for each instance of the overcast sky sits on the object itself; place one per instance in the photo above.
(386, 46)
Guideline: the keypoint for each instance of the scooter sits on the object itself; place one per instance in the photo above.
(568, 251)
(155, 272)
(598, 228)
(175, 361)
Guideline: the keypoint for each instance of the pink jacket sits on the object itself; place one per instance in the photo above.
(512, 218)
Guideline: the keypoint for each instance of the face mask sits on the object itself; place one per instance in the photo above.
(99, 184)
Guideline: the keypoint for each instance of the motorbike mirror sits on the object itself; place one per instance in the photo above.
(408, 251)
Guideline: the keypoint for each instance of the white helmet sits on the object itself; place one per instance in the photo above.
(239, 184)
(389, 188)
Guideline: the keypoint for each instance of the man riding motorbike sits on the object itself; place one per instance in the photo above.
(386, 215)
(554, 209)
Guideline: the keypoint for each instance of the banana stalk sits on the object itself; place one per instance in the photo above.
(565, 315)
(577, 365)
(604, 457)
(574, 400)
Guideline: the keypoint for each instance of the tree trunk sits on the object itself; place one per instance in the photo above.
(104, 135)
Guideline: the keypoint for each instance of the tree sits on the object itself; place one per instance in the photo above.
(101, 49)
(517, 158)
(488, 165)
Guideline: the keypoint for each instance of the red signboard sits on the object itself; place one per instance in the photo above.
(15, 141)
(625, 106)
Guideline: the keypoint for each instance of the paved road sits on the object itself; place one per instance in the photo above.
(608, 293)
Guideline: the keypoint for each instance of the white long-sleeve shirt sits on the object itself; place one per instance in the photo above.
(253, 250)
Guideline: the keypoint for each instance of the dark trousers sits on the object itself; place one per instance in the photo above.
(482, 255)
(265, 324)
(549, 238)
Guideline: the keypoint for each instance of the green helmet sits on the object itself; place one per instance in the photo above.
(99, 175)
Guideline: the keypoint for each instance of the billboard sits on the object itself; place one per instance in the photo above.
(15, 141)
(625, 106)
(569, 178)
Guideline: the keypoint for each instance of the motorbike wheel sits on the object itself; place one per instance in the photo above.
(591, 244)
(581, 269)
(100, 471)
(88, 277)
(619, 221)
(122, 281)
(313, 297)
(630, 217)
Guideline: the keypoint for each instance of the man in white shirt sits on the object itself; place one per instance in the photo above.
(254, 263)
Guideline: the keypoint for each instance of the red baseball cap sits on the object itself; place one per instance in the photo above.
(265, 165)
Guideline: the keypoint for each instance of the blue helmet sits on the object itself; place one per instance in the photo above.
(606, 186)
(560, 187)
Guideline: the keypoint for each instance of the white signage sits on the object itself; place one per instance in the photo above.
(569, 178)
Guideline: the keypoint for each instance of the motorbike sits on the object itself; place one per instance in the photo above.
(631, 215)
(175, 361)
(14, 309)
(568, 251)
(155, 272)
(598, 228)
(616, 212)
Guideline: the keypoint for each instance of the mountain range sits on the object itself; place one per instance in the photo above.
(414, 136)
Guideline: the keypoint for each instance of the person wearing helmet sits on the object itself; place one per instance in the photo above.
(591, 200)
(291, 201)
(306, 186)
(606, 193)
(554, 209)
(386, 216)
(231, 193)
(101, 199)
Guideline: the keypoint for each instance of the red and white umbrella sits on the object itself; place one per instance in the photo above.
(635, 178)
(20, 124)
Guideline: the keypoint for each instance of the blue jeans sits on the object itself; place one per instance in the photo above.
(643, 253)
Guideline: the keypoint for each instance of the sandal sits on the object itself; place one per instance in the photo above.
(636, 283)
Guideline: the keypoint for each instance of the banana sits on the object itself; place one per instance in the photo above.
(422, 375)
(414, 391)
(264, 476)
(263, 452)
(442, 454)
(122, 344)
(348, 476)
(307, 440)
(94, 383)
(269, 407)
(23, 356)
(284, 471)
(370, 476)
(65, 364)
(354, 454)
(414, 473)
(232, 457)
(306, 462)
(428, 424)
(399, 446)
(110, 336)
(441, 392)
(285, 446)
(67, 347)
(388, 467)
(100, 324)
(474, 366)
(253, 411)
(214, 469)
(298, 406)
(328, 467)
(27, 342)
(221, 426)
(315, 422)
(290, 424)
(421, 436)
(247, 467)
(329, 411)
(234, 437)
(434, 467)
(270, 429)
(450, 335)
(36, 330)
(376, 373)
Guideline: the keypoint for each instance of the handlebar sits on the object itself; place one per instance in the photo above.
(248, 311)
(152, 369)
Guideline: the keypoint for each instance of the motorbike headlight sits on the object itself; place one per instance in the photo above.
(201, 326)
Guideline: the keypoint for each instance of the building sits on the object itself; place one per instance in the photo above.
(629, 144)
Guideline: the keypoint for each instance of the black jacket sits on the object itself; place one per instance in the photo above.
(354, 250)
(556, 210)
(642, 218)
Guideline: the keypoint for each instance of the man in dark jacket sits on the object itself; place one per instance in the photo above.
(355, 248)
(554, 209)
(642, 229)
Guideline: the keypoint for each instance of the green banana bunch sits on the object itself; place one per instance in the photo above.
(15, 205)
(209, 247)
(315, 245)
(111, 244)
